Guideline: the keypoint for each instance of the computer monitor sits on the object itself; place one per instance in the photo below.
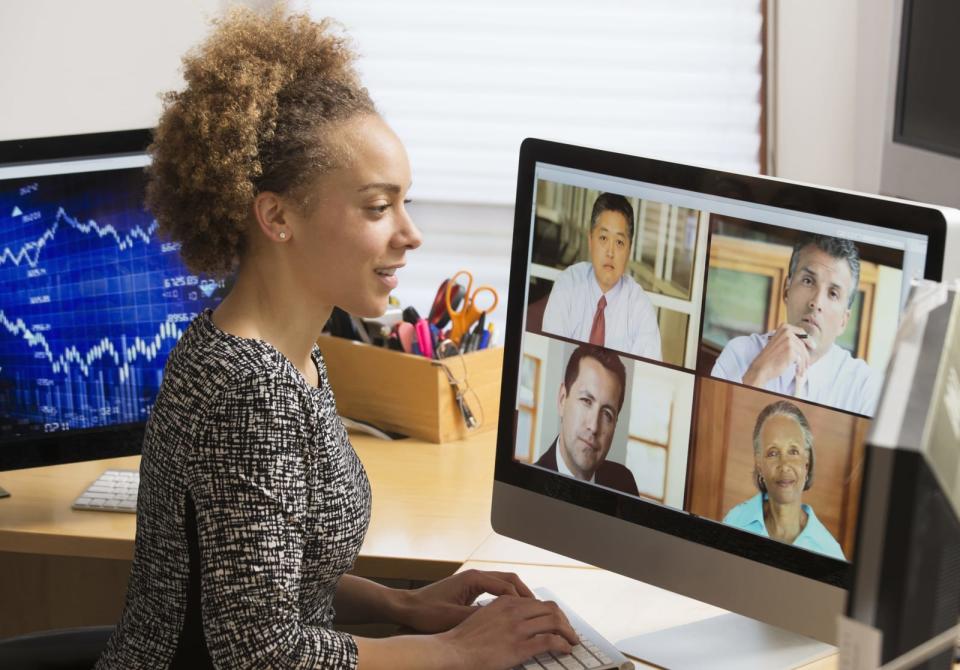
(921, 141)
(906, 579)
(92, 298)
(666, 425)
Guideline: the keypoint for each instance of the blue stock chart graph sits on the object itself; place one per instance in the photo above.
(92, 302)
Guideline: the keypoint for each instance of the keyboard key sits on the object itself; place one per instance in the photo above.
(585, 656)
(569, 662)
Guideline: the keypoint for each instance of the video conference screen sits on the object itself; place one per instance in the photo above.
(711, 355)
(93, 299)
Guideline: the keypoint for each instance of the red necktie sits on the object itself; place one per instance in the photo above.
(597, 330)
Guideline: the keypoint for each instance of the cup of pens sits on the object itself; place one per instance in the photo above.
(448, 385)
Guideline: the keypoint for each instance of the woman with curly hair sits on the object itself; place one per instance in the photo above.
(273, 166)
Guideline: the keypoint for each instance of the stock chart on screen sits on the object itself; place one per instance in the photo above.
(93, 301)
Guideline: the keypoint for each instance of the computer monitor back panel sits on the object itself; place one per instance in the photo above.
(637, 434)
(92, 301)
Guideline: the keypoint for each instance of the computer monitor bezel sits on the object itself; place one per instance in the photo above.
(93, 443)
(709, 534)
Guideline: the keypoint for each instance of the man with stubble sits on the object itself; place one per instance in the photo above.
(590, 399)
(801, 358)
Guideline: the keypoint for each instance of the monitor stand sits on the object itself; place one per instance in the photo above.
(4, 493)
(725, 642)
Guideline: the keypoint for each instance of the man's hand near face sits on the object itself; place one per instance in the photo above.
(788, 345)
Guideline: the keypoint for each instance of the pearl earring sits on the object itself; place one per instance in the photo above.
(283, 235)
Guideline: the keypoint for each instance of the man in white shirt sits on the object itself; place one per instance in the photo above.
(594, 301)
(800, 357)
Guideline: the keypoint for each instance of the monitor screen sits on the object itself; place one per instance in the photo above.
(697, 355)
(93, 299)
(928, 101)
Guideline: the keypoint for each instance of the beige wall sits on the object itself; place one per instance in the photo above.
(831, 66)
(76, 67)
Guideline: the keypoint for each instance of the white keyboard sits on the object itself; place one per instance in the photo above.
(114, 491)
(593, 652)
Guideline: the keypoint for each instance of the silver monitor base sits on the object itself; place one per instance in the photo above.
(4, 492)
(725, 642)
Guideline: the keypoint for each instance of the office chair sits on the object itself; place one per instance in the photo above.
(63, 649)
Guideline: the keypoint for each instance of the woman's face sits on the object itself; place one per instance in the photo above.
(349, 245)
(783, 461)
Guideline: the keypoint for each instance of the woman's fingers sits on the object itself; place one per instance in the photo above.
(502, 584)
(547, 642)
(551, 621)
(510, 630)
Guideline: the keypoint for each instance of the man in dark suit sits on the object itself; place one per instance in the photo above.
(590, 400)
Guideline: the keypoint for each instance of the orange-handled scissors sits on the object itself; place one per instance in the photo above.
(468, 312)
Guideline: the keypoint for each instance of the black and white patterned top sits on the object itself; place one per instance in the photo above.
(252, 505)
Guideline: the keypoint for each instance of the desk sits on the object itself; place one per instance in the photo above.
(61, 567)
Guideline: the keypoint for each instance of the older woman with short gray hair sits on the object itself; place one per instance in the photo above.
(783, 469)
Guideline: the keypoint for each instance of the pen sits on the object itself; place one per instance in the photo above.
(424, 339)
(480, 323)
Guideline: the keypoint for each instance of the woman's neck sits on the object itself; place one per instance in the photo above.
(784, 522)
(268, 306)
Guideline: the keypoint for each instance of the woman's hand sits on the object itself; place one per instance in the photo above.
(444, 604)
(507, 632)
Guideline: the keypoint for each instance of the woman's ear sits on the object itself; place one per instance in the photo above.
(758, 480)
(271, 212)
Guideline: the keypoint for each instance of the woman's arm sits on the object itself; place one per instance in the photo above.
(360, 600)
(513, 628)
(247, 478)
(432, 609)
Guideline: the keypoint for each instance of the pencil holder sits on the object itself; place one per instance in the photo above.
(410, 394)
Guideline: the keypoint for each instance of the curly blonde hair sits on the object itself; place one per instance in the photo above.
(260, 92)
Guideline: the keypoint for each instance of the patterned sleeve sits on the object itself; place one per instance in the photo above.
(247, 480)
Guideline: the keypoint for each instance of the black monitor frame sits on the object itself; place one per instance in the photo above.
(758, 190)
(93, 443)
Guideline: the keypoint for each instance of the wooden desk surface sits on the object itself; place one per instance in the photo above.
(431, 508)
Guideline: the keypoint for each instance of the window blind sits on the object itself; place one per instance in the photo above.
(463, 83)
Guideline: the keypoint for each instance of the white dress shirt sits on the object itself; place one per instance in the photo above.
(562, 465)
(838, 379)
(630, 319)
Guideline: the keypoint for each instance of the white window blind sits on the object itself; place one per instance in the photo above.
(463, 83)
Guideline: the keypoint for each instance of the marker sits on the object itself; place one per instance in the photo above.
(424, 339)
